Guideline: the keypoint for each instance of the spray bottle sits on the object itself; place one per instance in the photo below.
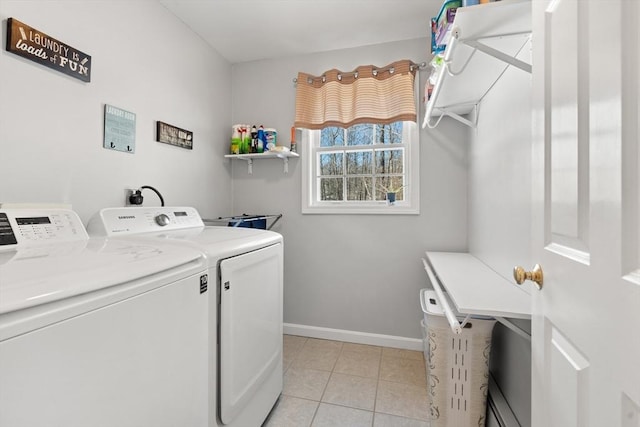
(236, 140)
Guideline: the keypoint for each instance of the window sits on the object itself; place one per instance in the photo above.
(359, 140)
(351, 170)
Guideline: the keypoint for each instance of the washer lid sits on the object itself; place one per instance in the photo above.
(38, 275)
(220, 242)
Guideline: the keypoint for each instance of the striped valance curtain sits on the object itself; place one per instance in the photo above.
(368, 94)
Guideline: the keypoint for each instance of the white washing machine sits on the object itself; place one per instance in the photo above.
(245, 371)
(99, 332)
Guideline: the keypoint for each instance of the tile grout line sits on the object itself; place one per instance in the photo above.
(375, 399)
(327, 384)
(331, 373)
(378, 379)
(318, 406)
(351, 407)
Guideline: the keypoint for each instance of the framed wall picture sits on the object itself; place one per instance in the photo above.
(172, 135)
(119, 129)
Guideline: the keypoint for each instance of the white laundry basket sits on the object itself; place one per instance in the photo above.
(457, 366)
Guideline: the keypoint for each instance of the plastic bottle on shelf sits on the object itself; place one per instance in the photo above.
(246, 140)
(262, 142)
(294, 149)
(271, 138)
(254, 139)
(236, 139)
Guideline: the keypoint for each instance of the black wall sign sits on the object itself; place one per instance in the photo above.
(37, 46)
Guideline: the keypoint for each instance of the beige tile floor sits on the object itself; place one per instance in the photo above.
(331, 383)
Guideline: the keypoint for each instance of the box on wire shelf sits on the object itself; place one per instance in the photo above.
(457, 365)
(441, 25)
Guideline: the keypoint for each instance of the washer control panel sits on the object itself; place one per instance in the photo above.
(36, 226)
(134, 220)
(163, 219)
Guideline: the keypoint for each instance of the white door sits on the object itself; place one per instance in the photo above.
(586, 231)
(250, 332)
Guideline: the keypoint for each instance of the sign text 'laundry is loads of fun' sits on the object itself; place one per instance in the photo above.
(39, 47)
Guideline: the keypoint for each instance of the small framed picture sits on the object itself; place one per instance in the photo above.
(119, 129)
(172, 135)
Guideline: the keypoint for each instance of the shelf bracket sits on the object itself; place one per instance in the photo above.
(509, 324)
(428, 123)
(498, 54)
(471, 123)
(284, 156)
(447, 65)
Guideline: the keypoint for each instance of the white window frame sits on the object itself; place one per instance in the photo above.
(310, 149)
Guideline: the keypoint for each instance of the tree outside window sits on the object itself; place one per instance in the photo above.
(361, 163)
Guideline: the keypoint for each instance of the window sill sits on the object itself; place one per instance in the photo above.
(361, 210)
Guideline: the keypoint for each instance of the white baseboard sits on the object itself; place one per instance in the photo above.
(353, 336)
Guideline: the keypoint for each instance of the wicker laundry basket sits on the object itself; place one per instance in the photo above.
(457, 366)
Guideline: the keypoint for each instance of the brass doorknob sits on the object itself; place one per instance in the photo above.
(536, 275)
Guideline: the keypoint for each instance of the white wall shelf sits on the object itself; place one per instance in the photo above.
(485, 40)
(476, 289)
(284, 155)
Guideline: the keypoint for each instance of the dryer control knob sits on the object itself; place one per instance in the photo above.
(163, 220)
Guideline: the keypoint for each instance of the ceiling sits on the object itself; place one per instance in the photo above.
(248, 30)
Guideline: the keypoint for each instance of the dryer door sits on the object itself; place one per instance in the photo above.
(250, 329)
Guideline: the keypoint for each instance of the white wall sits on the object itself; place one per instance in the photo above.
(500, 176)
(500, 217)
(351, 272)
(145, 61)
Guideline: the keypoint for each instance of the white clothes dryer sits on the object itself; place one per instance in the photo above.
(245, 337)
(98, 332)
